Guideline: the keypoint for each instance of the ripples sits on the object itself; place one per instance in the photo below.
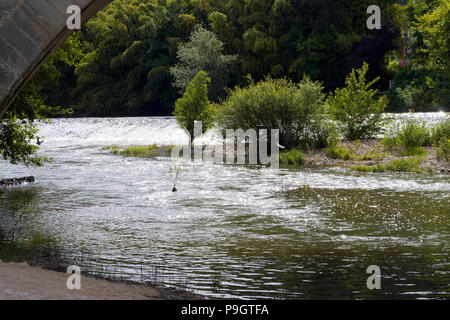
(233, 231)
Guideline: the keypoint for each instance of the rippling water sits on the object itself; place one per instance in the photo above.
(234, 231)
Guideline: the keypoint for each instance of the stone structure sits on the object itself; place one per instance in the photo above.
(30, 30)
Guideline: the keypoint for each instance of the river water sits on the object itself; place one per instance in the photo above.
(233, 231)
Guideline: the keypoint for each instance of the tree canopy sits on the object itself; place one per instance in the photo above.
(138, 54)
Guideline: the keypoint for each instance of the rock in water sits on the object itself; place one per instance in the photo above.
(11, 182)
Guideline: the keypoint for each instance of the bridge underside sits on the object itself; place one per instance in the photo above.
(30, 31)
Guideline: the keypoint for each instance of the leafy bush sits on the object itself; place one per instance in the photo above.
(414, 134)
(442, 148)
(194, 105)
(440, 139)
(342, 152)
(355, 106)
(409, 136)
(339, 152)
(293, 156)
(297, 110)
(440, 131)
(324, 133)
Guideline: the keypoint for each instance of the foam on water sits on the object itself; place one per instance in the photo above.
(117, 131)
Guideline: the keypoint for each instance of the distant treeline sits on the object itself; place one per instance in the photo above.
(119, 63)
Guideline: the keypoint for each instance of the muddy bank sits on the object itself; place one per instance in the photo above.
(20, 281)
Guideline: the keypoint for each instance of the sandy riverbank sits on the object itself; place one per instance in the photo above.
(19, 281)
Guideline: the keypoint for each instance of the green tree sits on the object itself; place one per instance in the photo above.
(125, 70)
(18, 129)
(424, 82)
(203, 52)
(130, 46)
(434, 27)
(194, 105)
(356, 108)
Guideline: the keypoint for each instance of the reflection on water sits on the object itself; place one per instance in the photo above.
(236, 231)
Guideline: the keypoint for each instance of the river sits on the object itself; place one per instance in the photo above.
(233, 231)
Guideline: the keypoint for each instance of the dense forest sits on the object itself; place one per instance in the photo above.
(125, 59)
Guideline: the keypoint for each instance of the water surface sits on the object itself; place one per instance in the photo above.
(233, 231)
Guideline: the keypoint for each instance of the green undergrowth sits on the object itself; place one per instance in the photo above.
(442, 148)
(339, 152)
(396, 165)
(293, 156)
(411, 135)
(148, 151)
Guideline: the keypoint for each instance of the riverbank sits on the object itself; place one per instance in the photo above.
(370, 152)
(19, 281)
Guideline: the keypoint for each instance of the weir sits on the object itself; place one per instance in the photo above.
(30, 31)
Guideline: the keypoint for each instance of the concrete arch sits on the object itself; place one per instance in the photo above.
(30, 31)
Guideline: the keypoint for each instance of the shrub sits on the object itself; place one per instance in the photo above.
(324, 134)
(356, 109)
(194, 105)
(440, 131)
(442, 148)
(339, 152)
(410, 136)
(295, 109)
(414, 134)
(293, 156)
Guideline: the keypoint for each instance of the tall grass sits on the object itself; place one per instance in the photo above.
(442, 149)
(140, 151)
(293, 156)
(411, 135)
(339, 152)
(396, 165)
